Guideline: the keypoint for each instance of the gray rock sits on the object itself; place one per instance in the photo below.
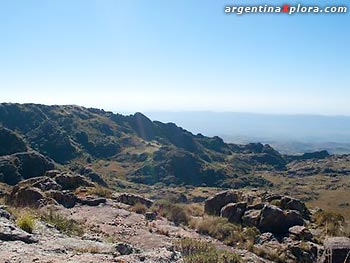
(124, 248)
(251, 217)
(9, 232)
(71, 181)
(26, 196)
(132, 199)
(65, 198)
(150, 216)
(234, 212)
(92, 201)
(337, 250)
(300, 233)
(266, 238)
(213, 205)
(275, 220)
(294, 204)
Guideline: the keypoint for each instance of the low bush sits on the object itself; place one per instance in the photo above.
(174, 212)
(333, 223)
(139, 208)
(26, 222)
(221, 229)
(100, 191)
(195, 251)
(63, 224)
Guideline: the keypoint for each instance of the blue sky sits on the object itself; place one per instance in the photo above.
(141, 55)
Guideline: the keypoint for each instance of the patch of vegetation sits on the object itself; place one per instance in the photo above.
(195, 251)
(332, 222)
(221, 229)
(100, 191)
(269, 254)
(63, 224)
(174, 212)
(26, 221)
(139, 208)
(276, 203)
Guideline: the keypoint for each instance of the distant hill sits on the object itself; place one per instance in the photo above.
(131, 147)
(289, 134)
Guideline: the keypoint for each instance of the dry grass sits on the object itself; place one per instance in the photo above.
(100, 191)
(195, 251)
(26, 221)
(139, 208)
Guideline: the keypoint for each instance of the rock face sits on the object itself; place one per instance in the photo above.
(337, 250)
(132, 199)
(275, 220)
(23, 165)
(214, 204)
(234, 212)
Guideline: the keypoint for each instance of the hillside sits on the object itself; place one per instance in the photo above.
(132, 147)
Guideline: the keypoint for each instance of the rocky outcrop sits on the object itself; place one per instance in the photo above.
(214, 204)
(132, 199)
(337, 250)
(275, 220)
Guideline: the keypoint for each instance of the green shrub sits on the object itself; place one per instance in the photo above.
(63, 224)
(195, 251)
(26, 222)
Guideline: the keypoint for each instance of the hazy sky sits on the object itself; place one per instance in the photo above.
(142, 55)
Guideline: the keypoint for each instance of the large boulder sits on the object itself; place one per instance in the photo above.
(275, 220)
(65, 198)
(132, 199)
(300, 233)
(214, 204)
(337, 250)
(294, 204)
(251, 217)
(234, 212)
(18, 166)
(71, 182)
(26, 196)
